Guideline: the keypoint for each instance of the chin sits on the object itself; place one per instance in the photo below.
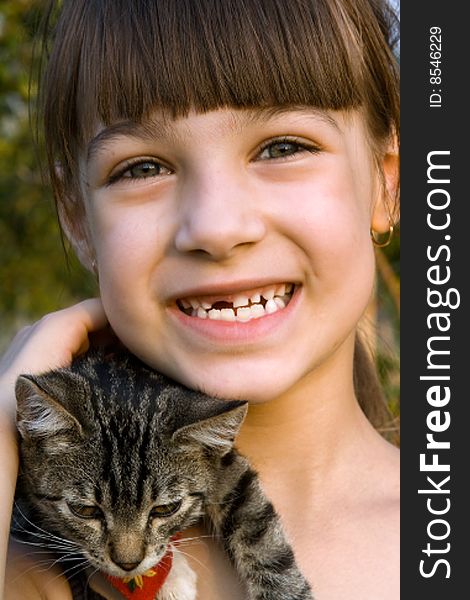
(248, 377)
(240, 384)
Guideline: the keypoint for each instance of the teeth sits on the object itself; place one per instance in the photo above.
(271, 307)
(227, 314)
(244, 314)
(257, 311)
(244, 307)
(240, 301)
(269, 294)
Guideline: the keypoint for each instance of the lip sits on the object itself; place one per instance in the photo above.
(228, 289)
(235, 333)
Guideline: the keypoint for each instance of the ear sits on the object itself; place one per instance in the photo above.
(39, 416)
(218, 431)
(73, 222)
(384, 209)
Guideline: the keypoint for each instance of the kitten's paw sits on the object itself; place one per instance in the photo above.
(181, 581)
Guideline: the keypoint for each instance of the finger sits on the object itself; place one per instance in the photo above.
(91, 313)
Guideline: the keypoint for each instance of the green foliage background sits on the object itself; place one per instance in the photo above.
(35, 276)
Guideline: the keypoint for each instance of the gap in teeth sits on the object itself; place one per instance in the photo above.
(243, 308)
(221, 304)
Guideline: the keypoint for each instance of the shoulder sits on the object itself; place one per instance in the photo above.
(380, 481)
(354, 546)
(377, 527)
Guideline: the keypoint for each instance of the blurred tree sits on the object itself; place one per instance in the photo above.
(35, 277)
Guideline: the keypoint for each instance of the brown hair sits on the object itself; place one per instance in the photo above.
(114, 60)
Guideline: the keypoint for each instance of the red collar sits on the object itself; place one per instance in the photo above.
(147, 585)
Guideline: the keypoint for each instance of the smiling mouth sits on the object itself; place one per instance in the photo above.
(241, 307)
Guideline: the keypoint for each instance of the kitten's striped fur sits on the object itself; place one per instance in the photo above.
(106, 443)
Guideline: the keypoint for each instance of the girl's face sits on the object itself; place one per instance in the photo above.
(233, 246)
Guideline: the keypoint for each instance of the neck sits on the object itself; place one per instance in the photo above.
(310, 436)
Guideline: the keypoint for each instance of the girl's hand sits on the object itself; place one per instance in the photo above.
(49, 343)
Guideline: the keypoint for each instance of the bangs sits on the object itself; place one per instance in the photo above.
(117, 60)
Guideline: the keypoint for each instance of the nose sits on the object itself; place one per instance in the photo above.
(217, 216)
(126, 549)
(127, 566)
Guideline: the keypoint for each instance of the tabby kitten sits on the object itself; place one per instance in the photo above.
(116, 459)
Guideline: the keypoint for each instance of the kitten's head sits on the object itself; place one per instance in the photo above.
(117, 458)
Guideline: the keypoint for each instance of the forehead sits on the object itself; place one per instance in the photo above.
(205, 54)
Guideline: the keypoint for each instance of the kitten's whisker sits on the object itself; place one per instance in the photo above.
(47, 546)
(48, 533)
(93, 572)
(193, 558)
(67, 572)
(45, 557)
(68, 558)
(196, 537)
(29, 555)
(45, 540)
(36, 554)
(22, 574)
(39, 535)
(33, 534)
(50, 564)
(188, 543)
(81, 567)
(42, 566)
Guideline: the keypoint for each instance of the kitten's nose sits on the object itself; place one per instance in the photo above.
(128, 566)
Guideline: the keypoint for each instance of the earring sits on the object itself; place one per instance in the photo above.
(378, 243)
(94, 267)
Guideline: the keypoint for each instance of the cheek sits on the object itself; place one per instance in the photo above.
(332, 225)
(342, 281)
(129, 241)
(88, 536)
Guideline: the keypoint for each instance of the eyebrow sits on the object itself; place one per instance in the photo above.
(265, 114)
(141, 131)
(148, 129)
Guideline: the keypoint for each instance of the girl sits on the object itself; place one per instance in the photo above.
(221, 167)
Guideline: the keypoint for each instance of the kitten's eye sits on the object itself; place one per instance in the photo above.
(165, 510)
(86, 511)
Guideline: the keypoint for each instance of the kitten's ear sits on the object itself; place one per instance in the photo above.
(39, 415)
(216, 431)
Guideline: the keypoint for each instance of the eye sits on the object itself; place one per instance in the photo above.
(165, 510)
(284, 148)
(139, 169)
(86, 511)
